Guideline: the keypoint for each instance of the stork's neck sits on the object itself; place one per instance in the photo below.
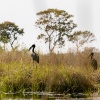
(91, 57)
(33, 49)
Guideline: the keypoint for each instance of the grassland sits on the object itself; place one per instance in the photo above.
(61, 73)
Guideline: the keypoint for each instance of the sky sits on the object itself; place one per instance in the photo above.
(23, 13)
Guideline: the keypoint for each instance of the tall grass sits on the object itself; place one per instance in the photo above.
(64, 73)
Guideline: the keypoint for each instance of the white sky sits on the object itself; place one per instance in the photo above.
(23, 13)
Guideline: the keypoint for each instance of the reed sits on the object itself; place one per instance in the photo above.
(55, 73)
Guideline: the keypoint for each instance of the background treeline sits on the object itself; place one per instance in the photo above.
(56, 29)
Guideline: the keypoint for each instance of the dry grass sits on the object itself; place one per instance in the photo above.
(65, 73)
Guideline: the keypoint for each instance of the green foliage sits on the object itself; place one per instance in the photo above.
(57, 25)
(9, 33)
(81, 37)
(53, 74)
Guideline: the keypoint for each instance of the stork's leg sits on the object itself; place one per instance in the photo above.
(34, 65)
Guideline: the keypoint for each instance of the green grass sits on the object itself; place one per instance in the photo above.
(17, 74)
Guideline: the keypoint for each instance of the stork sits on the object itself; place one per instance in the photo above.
(93, 61)
(34, 56)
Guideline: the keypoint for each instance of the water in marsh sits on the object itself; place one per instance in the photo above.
(41, 96)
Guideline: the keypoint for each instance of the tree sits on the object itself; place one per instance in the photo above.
(9, 33)
(57, 25)
(81, 38)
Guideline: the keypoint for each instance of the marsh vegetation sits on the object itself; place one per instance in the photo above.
(59, 73)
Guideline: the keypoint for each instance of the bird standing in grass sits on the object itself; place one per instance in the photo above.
(34, 55)
(93, 61)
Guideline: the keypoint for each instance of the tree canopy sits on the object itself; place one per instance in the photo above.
(57, 26)
(9, 33)
(80, 38)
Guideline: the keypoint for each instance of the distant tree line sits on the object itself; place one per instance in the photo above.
(57, 26)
